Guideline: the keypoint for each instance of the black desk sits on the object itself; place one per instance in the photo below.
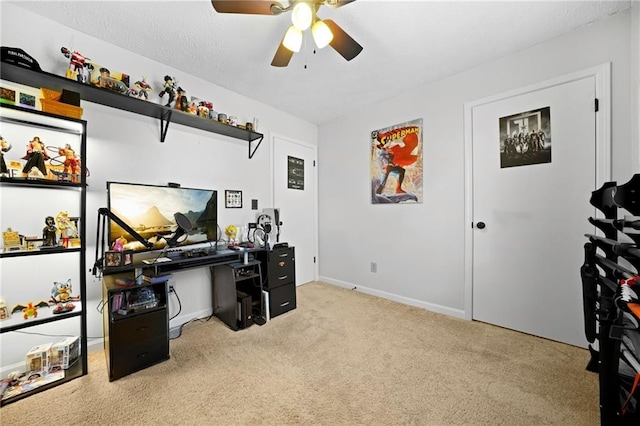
(134, 340)
(220, 257)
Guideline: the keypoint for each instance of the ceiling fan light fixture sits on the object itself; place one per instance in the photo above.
(302, 15)
(322, 34)
(293, 39)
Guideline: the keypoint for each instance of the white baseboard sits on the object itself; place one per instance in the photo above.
(458, 313)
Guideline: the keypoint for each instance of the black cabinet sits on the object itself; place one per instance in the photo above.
(136, 326)
(279, 266)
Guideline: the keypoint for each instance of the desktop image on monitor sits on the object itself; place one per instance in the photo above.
(149, 210)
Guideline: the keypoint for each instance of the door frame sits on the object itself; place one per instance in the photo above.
(602, 74)
(273, 137)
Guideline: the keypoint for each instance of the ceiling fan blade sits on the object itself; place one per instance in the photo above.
(249, 7)
(338, 3)
(282, 56)
(342, 42)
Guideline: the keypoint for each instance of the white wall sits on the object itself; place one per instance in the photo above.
(126, 147)
(419, 249)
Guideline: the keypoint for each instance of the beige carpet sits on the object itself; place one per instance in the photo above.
(343, 358)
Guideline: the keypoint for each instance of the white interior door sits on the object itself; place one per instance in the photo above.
(526, 259)
(295, 194)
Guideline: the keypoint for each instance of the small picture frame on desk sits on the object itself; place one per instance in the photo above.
(113, 259)
(127, 257)
(232, 199)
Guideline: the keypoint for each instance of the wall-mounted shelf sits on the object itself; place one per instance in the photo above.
(166, 115)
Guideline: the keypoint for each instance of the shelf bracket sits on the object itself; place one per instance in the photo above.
(256, 147)
(166, 116)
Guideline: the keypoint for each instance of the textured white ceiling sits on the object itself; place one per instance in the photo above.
(407, 44)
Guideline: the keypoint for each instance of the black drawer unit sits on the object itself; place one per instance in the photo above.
(282, 299)
(280, 266)
(136, 327)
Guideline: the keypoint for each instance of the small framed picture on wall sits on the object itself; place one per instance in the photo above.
(232, 199)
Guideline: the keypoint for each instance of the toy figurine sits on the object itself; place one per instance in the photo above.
(182, 103)
(4, 147)
(66, 228)
(61, 297)
(118, 244)
(77, 65)
(35, 156)
(49, 233)
(169, 88)
(30, 309)
(4, 312)
(143, 88)
(71, 162)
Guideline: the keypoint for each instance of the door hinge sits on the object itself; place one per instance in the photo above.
(596, 105)
(314, 163)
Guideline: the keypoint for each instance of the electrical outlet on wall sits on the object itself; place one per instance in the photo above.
(374, 267)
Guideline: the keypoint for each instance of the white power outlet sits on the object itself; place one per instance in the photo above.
(374, 267)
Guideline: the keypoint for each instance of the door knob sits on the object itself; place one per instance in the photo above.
(480, 225)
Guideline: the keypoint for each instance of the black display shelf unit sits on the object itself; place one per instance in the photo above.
(166, 115)
(610, 294)
(76, 130)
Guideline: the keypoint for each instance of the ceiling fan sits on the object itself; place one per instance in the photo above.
(303, 15)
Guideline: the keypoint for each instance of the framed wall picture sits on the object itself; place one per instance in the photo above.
(232, 199)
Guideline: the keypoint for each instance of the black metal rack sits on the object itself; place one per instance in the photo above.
(166, 115)
(610, 326)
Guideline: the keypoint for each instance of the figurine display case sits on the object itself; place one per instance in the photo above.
(42, 253)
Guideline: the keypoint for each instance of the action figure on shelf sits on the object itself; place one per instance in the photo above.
(49, 232)
(36, 156)
(66, 228)
(71, 162)
(144, 88)
(30, 309)
(119, 243)
(4, 147)
(170, 87)
(62, 298)
(77, 65)
(182, 103)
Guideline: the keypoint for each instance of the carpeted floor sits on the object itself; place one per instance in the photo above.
(341, 357)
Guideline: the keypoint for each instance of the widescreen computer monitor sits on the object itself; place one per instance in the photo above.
(149, 210)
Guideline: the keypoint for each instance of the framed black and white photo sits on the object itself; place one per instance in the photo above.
(232, 199)
(525, 138)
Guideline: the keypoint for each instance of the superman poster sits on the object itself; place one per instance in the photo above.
(396, 164)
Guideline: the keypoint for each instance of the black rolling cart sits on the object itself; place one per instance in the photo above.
(611, 297)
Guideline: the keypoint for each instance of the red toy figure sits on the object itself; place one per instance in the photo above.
(36, 155)
(71, 162)
(143, 88)
(77, 64)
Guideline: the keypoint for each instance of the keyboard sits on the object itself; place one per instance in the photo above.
(158, 260)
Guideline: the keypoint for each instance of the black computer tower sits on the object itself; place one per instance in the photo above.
(245, 318)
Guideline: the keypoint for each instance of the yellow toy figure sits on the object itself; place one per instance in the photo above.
(71, 162)
(66, 228)
(232, 233)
